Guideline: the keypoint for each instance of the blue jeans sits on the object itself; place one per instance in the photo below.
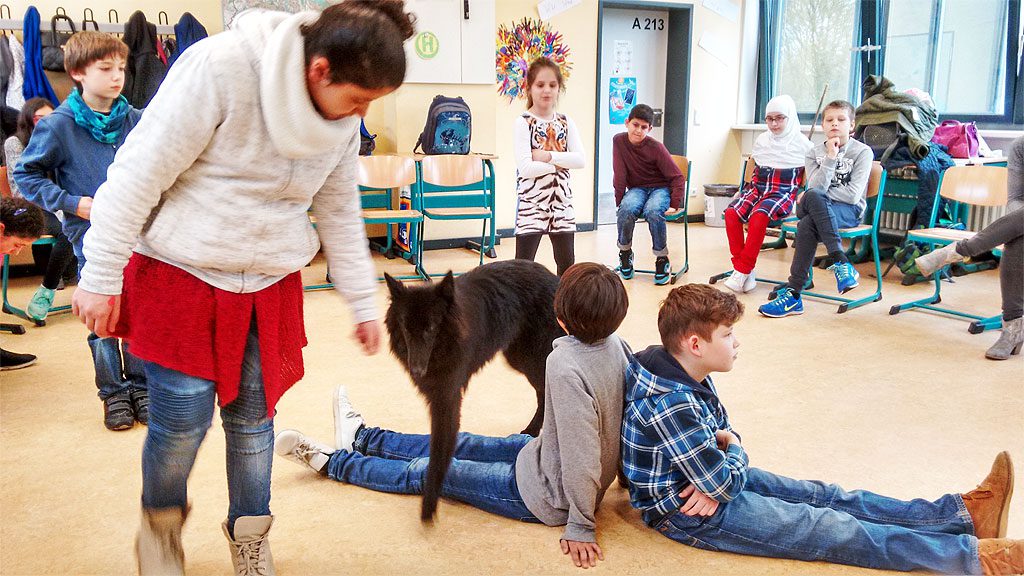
(780, 517)
(115, 373)
(482, 473)
(651, 203)
(180, 413)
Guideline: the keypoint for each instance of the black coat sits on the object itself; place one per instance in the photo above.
(145, 70)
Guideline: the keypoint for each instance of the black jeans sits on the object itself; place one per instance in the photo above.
(562, 244)
(820, 218)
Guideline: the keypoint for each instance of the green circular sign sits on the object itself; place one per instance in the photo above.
(427, 45)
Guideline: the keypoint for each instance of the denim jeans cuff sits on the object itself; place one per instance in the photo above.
(662, 252)
(962, 513)
(624, 246)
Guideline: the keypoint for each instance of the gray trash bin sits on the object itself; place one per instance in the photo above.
(716, 199)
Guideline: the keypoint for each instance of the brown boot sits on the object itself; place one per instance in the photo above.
(158, 544)
(250, 548)
(989, 503)
(1001, 556)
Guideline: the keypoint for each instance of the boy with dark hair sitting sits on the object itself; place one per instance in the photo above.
(837, 173)
(647, 183)
(558, 478)
(688, 472)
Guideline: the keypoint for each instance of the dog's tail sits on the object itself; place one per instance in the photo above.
(445, 411)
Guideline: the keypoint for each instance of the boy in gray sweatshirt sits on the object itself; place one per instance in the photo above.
(837, 179)
(558, 478)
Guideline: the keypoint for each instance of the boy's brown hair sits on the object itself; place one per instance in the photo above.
(840, 105)
(695, 309)
(591, 301)
(88, 46)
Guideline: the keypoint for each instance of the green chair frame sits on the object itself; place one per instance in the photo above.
(460, 198)
(12, 309)
(960, 185)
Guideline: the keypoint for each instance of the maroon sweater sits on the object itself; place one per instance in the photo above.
(645, 165)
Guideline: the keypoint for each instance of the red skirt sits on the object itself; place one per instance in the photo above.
(176, 320)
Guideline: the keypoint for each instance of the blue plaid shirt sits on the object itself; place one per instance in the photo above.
(668, 437)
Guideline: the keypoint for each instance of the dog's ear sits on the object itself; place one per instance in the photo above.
(395, 287)
(446, 288)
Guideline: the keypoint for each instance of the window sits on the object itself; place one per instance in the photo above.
(814, 49)
(964, 53)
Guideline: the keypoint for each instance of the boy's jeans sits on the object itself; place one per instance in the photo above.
(820, 219)
(809, 520)
(180, 412)
(651, 203)
(482, 473)
(114, 374)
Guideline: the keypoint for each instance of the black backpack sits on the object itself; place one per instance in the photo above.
(448, 129)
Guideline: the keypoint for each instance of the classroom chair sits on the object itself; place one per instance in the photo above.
(961, 185)
(457, 187)
(867, 230)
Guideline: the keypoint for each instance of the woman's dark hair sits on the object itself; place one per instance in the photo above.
(362, 41)
(21, 218)
(531, 76)
(26, 119)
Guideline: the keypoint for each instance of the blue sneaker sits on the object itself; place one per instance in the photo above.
(626, 264)
(846, 276)
(785, 304)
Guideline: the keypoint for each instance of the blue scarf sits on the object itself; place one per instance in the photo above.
(104, 128)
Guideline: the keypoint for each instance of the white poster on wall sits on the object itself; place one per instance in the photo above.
(550, 8)
(623, 54)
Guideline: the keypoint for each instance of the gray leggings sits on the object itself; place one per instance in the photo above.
(1009, 231)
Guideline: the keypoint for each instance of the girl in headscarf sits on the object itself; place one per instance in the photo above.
(770, 194)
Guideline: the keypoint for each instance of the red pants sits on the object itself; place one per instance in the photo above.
(744, 253)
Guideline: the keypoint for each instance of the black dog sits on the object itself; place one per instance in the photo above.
(443, 333)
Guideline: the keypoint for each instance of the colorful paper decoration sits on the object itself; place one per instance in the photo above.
(521, 44)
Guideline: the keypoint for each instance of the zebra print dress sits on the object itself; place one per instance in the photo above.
(544, 204)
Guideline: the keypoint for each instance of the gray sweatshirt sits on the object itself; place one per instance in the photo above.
(1015, 190)
(564, 473)
(843, 178)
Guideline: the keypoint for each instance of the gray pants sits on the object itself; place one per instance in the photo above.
(820, 218)
(1009, 231)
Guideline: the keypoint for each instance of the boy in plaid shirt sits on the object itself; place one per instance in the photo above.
(688, 472)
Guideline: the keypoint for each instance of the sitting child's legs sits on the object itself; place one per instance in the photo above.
(399, 446)
(654, 212)
(734, 232)
(630, 209)
(744, 260)
(765, 526)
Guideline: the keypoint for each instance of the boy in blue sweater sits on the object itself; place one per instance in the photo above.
(75, 145)
(689, 475)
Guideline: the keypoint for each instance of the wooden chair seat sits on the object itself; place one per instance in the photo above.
(456, 212)
(392, 215)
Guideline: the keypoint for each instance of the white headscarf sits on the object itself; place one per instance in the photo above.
(786, 150)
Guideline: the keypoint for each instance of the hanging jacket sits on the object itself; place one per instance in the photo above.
(36, 82)
(187, 32)
(929, 170)
(145, 71)
(16, 82)
(882, 104)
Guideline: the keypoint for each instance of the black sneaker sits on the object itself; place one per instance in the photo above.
(626, 264)
(117, 411)
(662, 270)
(12, 360)
(140, 404)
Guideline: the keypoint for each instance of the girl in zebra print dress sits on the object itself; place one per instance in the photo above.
(547, 146)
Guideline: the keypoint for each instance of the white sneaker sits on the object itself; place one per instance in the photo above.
(751, 281)
(346, 420)
(736, 281)
(302, 450)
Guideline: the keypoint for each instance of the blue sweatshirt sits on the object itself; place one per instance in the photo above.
(77, 161)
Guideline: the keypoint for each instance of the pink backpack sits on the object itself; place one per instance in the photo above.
(961, 139)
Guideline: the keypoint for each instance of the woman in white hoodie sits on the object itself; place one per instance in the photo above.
(204, 216)
(778, 157)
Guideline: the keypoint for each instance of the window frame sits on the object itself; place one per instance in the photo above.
(870, 27)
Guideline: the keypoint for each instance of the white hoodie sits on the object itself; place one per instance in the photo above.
(217, 177)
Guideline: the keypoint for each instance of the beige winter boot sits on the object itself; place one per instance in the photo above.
(158, 544)
(250, 548)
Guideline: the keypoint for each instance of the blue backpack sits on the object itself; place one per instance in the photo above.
(448, 129)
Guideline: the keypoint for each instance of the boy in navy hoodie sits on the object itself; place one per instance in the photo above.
(688, 472)
(75, 145)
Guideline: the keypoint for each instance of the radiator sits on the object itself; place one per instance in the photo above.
(978, 217)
